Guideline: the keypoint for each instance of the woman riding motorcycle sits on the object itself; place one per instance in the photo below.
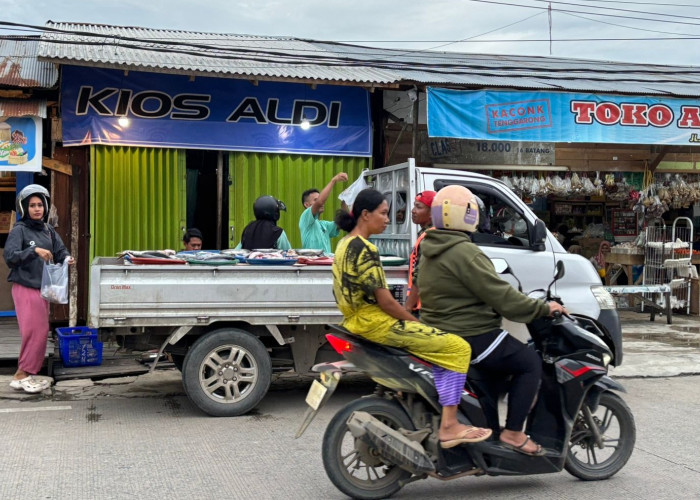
(461, 293)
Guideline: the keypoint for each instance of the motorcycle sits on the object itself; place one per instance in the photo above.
(379, 443)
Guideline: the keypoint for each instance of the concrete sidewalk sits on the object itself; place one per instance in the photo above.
(651, 349)
(657, 349)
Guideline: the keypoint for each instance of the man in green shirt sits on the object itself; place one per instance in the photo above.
(317, 233)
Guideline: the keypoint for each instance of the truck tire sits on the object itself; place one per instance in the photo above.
(227, 372)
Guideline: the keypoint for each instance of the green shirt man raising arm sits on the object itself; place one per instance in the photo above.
(317, 233)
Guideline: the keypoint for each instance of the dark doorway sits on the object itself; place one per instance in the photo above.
(202, 194)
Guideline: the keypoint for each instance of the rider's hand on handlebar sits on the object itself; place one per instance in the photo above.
(556, 307)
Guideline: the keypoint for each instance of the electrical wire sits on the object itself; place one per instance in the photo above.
(494, 2)
(616, 9)
(645, 3)
(690, 35)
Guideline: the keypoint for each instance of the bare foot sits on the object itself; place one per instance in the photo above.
(517, 439)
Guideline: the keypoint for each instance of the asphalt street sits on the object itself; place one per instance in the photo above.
(163, 447)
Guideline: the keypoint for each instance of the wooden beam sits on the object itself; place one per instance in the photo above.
(58, 166)
(655, 162)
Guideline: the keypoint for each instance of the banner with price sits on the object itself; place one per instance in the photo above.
(452, 151)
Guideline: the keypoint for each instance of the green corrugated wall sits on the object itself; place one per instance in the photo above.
(137, 199)
(285, 177)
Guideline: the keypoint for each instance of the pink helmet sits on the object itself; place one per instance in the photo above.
(455, 207)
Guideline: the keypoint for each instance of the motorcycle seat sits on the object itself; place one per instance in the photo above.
(395, 351)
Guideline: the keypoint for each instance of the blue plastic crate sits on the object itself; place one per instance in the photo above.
(78, 346)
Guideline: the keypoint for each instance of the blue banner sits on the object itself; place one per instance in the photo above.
(562, 117)
(103, 106)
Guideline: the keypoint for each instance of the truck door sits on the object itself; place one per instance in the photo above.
(505, 229)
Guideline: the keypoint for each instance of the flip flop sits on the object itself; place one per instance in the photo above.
(463, 439)
(540, 452)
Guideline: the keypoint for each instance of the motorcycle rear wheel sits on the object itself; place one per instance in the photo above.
(616, 423)
(355, 468)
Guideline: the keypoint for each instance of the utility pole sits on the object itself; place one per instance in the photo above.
(549, 15)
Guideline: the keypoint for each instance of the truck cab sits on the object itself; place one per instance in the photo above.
(508, 229)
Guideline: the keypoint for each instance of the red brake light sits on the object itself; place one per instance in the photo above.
(339, 345)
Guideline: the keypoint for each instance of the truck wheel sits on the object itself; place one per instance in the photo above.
(227, 372)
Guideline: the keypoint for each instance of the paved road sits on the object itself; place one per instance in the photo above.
(163, 447)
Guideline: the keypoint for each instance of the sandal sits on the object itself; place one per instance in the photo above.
(29, 384)
(469, 435)
(539, 452)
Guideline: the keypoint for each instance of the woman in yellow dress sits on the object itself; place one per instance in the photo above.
(370, 311)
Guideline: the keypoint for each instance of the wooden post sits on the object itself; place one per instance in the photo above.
(416, 108)
(74, 250)
(219, 197)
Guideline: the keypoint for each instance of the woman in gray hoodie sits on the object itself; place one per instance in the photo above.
(31, 243)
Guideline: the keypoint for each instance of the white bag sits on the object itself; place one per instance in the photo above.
(351, 192)
(54, 282)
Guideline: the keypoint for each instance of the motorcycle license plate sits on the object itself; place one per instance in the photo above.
(315, 395)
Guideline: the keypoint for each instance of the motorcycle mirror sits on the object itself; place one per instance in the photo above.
(558, 274)
(501, 266)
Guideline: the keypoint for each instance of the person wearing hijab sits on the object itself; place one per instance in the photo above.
(30, 244)
(264, 232)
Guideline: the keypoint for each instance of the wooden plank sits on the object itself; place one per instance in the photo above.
(110, 367)
(59, 166)
(600, 155)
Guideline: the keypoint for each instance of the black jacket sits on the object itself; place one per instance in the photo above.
(24, 263)
(260, 234)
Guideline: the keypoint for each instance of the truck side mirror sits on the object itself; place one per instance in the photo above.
(538, 236)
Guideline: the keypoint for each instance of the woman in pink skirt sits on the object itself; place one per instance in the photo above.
(31, 243)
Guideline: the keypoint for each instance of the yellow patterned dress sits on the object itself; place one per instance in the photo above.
(357, 274)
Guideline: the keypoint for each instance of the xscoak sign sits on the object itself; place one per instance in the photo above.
(102, 106)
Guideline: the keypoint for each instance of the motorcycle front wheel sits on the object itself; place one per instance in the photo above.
(356, 468)
(615, 422)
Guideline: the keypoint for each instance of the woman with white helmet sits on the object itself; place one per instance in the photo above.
(31, 243)
(461, 293)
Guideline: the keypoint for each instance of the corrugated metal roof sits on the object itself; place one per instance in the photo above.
(19, 66)
(29, 107)
(290, 58)
(211, 54)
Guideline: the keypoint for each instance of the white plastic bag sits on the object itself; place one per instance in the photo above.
(54, 282)
(350, 193)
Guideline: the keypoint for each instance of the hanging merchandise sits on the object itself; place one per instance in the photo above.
(576, 184)
(598, 183)
(587, 187)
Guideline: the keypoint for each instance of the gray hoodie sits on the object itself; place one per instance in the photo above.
(24, 263)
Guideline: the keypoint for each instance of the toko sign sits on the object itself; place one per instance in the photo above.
(102, 106)
(562, 117)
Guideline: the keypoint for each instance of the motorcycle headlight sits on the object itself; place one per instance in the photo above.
(604, 298)
(606, 359)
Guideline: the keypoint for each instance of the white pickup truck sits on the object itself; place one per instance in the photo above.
(231, 328)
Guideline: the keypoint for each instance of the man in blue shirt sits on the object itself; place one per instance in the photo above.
(317, 233)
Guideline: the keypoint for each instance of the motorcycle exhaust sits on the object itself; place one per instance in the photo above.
(391, 444)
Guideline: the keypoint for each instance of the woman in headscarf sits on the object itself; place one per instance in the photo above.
(264, 232)
(598, 259)
(30, 244)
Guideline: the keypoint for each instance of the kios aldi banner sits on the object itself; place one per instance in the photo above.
(104, 106)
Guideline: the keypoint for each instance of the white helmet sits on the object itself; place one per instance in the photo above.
(455, 207)
(28, 192)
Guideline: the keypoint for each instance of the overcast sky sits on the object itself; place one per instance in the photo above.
(410, 23)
